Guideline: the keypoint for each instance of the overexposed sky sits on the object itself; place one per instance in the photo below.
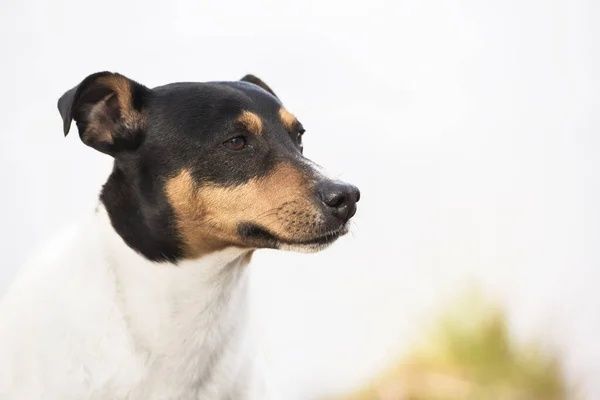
(471, 128)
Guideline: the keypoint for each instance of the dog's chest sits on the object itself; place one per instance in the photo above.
(92, 321)
(197, 356)
(187, 331)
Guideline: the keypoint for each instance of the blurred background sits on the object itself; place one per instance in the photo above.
(471, 128)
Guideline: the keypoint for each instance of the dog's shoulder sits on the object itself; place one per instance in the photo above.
(59, 321)
(56, 269)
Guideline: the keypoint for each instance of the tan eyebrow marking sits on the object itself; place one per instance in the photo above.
(251, 122)
(287, 118)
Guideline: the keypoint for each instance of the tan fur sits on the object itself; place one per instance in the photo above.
(98, 129)
(288, 119)
(251, 122)
(121, 86)
(208, 215)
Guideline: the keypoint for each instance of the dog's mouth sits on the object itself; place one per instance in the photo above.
(264, 238)
(323, 238)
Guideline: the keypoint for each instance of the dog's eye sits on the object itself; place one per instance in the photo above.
(299, 137)
(236, 143)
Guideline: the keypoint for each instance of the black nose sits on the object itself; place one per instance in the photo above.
(339, 197)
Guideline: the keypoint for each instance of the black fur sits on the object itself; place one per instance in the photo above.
(77, 104)
(258, 82)
(185, 126)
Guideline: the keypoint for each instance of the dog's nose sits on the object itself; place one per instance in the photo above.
(339, 197)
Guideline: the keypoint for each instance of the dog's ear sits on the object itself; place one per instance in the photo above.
(258, 82)
(109, 111)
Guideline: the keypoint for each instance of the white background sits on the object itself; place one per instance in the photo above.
(471, 128)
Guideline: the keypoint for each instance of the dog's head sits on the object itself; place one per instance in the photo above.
(203, 166)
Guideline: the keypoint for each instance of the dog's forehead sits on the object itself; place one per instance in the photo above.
(217, 99)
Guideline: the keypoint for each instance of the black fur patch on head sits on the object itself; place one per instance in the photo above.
(179, 187)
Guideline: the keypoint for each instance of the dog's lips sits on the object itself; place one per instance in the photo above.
(323, 238)
(261, 237)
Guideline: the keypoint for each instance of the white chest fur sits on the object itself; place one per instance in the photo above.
(92, 319)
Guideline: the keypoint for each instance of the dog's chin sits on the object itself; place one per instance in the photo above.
(316, 243)
(260, 237)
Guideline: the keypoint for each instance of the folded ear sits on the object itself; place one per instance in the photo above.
(109, 111)
(258, 82)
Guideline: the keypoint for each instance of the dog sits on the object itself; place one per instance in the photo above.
(147, 298)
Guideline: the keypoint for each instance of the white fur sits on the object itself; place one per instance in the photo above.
(89, 318)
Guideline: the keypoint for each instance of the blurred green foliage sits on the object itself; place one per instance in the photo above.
(470, 355)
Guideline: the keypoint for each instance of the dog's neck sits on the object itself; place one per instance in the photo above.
(143, 222)
(180, 316)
